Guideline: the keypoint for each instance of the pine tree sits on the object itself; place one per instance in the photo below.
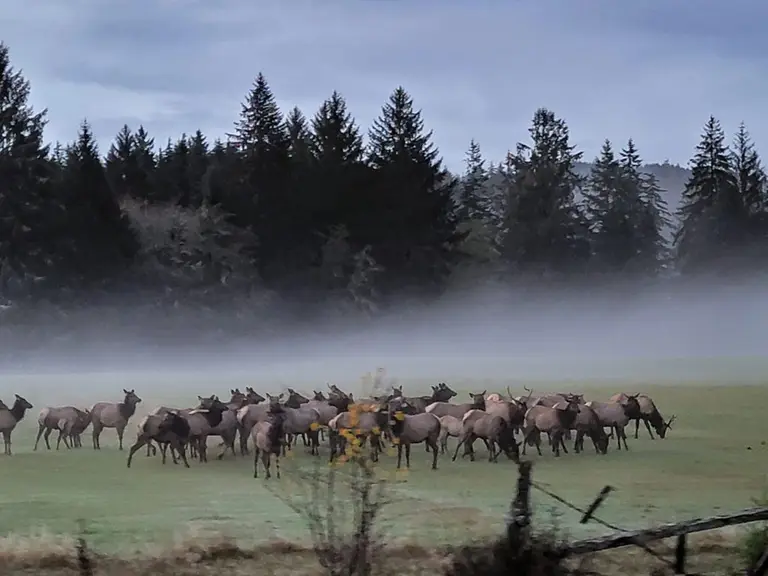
(750, 175)
(712, 214)
(197, 167)
(299, 137)
(546, 230)
(471, 187)
(653, 219)
(101, 240)
(130, 164)
(411, 219)
(27, 209)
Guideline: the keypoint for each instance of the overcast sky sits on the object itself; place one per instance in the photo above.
(652, 70)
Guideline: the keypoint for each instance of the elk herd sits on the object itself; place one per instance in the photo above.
(273, 424)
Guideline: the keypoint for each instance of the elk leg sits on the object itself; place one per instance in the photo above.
(120, 432)
(624, 438)
(399, 454)
(40, 430)
(462, 439)
(648, 427)
(95, 436)
(408, 455)
(178, 445)
(637, 427)
(255, 461)
(140, 441)
(433, 445)
(266, 460)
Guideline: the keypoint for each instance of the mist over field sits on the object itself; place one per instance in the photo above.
(668, 332)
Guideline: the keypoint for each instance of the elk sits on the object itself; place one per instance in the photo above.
(202, 421)
(553, 420)
(68, 420)
(588, 423)
(169, 429)
(10, 417)
(449, 426)
(410, 429)
(247, 417)
(493, 429)
(616, 415)
(113, 415)
(302, 420)
(441, 409)
(440, 393)
(267, 440)
(364, 426)
(648, 413)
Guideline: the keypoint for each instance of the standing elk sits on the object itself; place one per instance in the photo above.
(588, 423)
(616, 415)
(648, 413)
(268, 439)
(68, 420)
(441, 409)
(494, 429)
(410, 429)
(10, 417)
(113, 415)
(553, 420)
(169, 429)
(203, 420)
(304, 420)
(449, 426)
(365, 426)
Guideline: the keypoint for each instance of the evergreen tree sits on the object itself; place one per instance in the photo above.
(546, 230)
(410, 218)
(264, 201)
(197, 166)
(101, 238)
(27, 210)
(130, 164)
(299, 137)
(472, 185)
(749, 172)
(713, 215)
(653, 218)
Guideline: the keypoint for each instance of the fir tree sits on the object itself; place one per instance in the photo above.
(653, 219)
(712, 213)
(472, 185)
(101, 238)
(27, 210)
(546, 231)
(410, 219)
(749, 172)
(299, 137)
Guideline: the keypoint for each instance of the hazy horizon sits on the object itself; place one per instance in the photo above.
(716, 334)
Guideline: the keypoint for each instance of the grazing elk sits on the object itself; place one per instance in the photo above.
(68, 420)
(410, 429)
(616, 415)
(493, 429)
(169, 429)
(267, 440)
(10, 417)
(554, 421)
(113, 415)
(648, 413)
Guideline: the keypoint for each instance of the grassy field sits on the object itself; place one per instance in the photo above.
(714, 460)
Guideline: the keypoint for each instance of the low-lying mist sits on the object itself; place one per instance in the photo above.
(666, 332)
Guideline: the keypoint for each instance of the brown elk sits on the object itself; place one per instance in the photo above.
(113, 415)
(268, 439)
(616, 415)
(410, 429)
(648, 413)
(554, 421)
(10, 417)
(441, 409)
(493, 429)
(167, 429)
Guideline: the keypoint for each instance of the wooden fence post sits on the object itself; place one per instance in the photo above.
(680, 554)
(519, 515)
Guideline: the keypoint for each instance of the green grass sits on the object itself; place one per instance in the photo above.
(713, 461)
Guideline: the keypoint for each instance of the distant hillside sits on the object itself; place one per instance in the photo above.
(672, 179)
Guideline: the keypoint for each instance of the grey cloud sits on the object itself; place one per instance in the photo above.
(645, 69)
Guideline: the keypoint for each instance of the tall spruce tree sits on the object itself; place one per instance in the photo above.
(653, 219)
(102, 240)
(265, 200)
(472, 185)
(713, 215)
(750, 176)
(545, 230)
(411, 219)
(27, 210)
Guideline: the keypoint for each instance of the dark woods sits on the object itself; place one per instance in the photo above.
(306, 209)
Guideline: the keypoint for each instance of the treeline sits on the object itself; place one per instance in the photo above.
(306, 207)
